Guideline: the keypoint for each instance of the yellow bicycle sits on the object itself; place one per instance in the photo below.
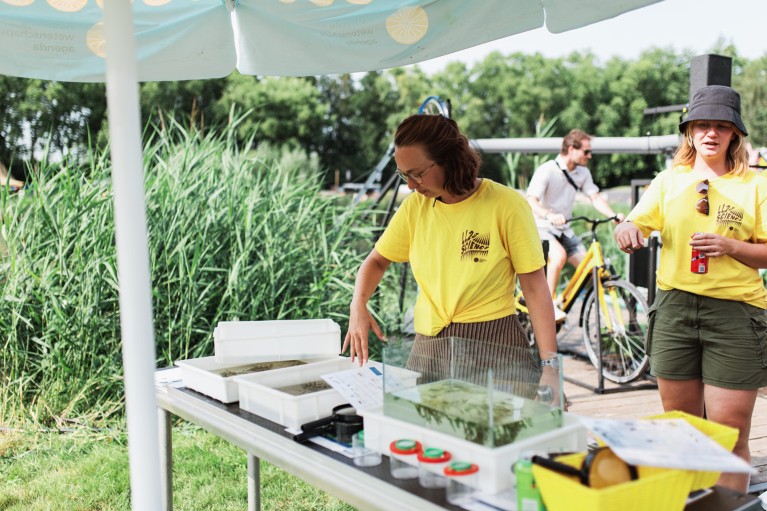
(616, 329)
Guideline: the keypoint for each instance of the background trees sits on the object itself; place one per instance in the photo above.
(346, 121)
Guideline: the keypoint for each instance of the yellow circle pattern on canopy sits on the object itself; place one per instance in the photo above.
(408, 25)
(67, 5)
(19, 3)
(95, 40)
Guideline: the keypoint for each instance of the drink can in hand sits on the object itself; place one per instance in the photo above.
(698, 262)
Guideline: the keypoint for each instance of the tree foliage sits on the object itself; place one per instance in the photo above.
(347, 120)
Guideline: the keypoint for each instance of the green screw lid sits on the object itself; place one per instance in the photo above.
(434, 455)
(405, 446)
(461, 468)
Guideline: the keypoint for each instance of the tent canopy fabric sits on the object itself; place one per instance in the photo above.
(193, 39)
(124, 42)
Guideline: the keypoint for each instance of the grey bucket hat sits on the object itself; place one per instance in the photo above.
(715, 103)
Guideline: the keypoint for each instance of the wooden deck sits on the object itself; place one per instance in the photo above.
(641, 403)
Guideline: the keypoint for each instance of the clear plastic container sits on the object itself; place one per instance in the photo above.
(461, 483)
(364, 457)
(431, 465)
(403, 462)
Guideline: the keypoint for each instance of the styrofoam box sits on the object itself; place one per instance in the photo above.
(238, 342)
(495, 474)
(202, 375)
(258, 393)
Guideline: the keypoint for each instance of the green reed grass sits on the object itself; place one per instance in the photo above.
(233, 235)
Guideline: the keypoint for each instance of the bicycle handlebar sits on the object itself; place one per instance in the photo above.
(594, 221)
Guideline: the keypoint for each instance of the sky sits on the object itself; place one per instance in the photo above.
(679, 24)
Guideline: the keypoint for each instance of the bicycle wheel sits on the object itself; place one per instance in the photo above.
(622, 334)
(434, 105)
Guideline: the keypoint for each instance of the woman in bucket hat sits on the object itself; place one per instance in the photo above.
(707, 335)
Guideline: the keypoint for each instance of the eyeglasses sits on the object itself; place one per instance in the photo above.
(702, 205)
(415, 176)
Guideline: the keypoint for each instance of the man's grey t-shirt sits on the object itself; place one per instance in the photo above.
(552, 189)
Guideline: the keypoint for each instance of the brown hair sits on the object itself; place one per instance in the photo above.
(737, 154)
(445, 145)
(574, 139)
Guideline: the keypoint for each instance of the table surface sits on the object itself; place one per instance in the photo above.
(369, 488)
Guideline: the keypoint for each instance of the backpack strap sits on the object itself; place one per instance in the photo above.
(569, 179)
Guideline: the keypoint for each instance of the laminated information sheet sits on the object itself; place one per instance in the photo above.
(667, 443)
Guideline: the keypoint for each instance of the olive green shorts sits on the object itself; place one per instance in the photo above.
(721, 342)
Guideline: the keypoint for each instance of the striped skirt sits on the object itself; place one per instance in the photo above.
(489, 353)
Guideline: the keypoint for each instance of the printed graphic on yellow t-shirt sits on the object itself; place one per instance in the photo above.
(475, 246)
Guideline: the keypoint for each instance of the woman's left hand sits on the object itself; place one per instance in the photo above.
(710, 244)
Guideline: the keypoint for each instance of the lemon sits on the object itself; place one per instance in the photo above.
(408, 25)
(67, 5)
(19, 3)
(94, 40)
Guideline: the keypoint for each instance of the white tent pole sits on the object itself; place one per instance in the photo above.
(132, 257)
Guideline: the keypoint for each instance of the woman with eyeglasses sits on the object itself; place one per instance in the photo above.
(467, 239)
(707, 338)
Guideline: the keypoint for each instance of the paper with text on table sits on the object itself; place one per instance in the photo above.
(668, 443)
(363, 386)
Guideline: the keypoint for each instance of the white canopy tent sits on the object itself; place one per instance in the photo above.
(123, 42)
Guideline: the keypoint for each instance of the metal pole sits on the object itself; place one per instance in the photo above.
(165, 428)
(254, 483)
(135, 292)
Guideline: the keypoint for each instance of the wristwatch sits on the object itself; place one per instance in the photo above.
(551, 362)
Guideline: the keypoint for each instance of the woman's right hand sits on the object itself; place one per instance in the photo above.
(628, 237)
(360, 323)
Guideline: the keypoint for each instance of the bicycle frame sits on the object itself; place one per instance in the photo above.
(613, 315)
(582, 276)
(583, 273)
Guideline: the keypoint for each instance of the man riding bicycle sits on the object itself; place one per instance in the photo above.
(551, 195)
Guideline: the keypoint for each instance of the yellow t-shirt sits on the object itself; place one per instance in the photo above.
(464, 256)
(736, 210)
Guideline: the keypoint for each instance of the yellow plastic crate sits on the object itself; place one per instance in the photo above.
(725, 436)
(664, 490)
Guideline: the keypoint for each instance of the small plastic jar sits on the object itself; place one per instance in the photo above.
(364, 457)
(431, 465)
(403, 462)
(461, 483)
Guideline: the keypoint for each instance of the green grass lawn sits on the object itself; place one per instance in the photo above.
(88, 471)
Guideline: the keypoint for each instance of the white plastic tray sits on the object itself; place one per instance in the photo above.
(241, 342)
(203, 375)
(258, 393)
(495, 474)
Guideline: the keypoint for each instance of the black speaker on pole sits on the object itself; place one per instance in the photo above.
(709, 69)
